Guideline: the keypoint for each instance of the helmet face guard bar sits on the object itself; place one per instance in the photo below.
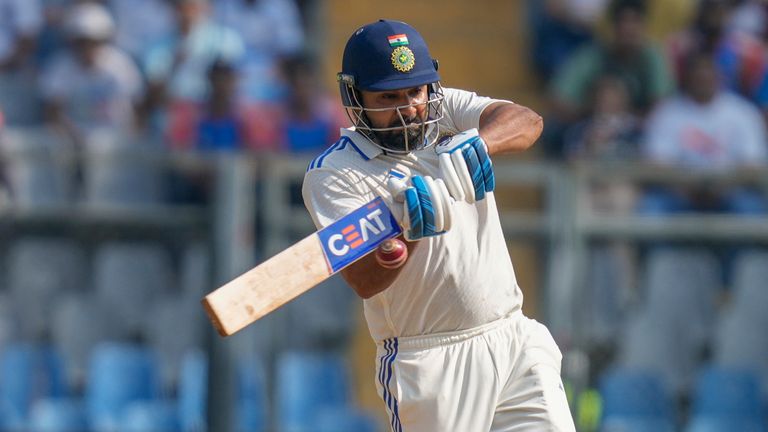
(416, 136)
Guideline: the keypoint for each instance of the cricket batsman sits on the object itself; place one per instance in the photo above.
(455, 352)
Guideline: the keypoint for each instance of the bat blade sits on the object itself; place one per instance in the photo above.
(300, 267)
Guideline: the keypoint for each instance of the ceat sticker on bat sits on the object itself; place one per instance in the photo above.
(358, 233)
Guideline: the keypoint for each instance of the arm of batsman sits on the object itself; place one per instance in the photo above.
(465, 166)
(422, 206)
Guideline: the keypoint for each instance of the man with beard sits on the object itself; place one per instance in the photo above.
(455, 352)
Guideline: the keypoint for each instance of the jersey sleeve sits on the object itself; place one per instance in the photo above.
(462, 109)
(329, 195)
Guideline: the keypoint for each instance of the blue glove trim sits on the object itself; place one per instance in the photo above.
(487, 165)
(416, 230)
(475, 171)
(427, 209)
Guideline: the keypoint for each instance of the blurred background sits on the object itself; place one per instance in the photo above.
(151, 150)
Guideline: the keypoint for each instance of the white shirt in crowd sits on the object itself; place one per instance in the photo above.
(273, 26)
(725, 133)
(270, 29)
(455, 281)
(141, 24)
(18, 18)
(205, 43)
(95, 98)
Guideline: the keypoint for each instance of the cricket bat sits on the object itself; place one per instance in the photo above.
(299, 268)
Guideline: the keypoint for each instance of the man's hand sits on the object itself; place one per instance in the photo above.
(426, 206)
(465, 166)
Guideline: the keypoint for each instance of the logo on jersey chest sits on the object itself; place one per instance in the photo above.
(357, 233)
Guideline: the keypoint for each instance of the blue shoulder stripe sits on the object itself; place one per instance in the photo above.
(316, 161)
(338, 145)
(357, 149)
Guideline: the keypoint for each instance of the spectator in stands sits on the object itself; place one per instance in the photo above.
(271, 30)
(707, 128)
(611, 131)
(305, 122)
(221, 126)
(558, 29)
(141, 24)
(92, 85)
(628, 54)
(749, 16)
(20, 22)
(740, 57)
(177, 67)
(314, 118)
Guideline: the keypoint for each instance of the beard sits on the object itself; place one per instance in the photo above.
(396, 139)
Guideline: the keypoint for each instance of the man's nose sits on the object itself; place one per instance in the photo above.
(408, 108)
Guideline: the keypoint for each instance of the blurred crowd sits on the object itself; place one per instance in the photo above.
(695, 97)
(188, 71)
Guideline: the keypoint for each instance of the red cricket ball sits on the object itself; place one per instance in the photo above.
(391, 253)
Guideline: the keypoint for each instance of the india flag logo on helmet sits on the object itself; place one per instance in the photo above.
(398, 40)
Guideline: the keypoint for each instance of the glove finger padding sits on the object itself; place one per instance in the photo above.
(475, 171)
(486, 164)
(451, 178)
(397, 188)
(466, 166)
(427, 207)
(415, 227)
(437, 202)
(446, 203)
(462, 171)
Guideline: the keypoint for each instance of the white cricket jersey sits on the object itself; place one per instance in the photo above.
(457, 280)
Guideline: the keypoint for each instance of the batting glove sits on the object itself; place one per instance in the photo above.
(465, 166)
(426, 206)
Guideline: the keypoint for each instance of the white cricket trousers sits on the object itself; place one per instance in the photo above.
(503, 376)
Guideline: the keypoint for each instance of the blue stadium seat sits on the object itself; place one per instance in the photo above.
(118, 375)
(674, 326)
(127, 277)
(723, 424)
(750, 274)
(682, 285)
(78, 324)
(146, 416)
(607, 287)
(741, 341)
(630, 393)
(34, 287)
(343, 419)
(174, 327)
(58, 415)
(252, 410)
(8, 319)
(636, 424)
(28, 373)
(306, 383)
(193, 391)
(727, 392)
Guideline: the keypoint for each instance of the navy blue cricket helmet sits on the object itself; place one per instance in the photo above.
(391, 55)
